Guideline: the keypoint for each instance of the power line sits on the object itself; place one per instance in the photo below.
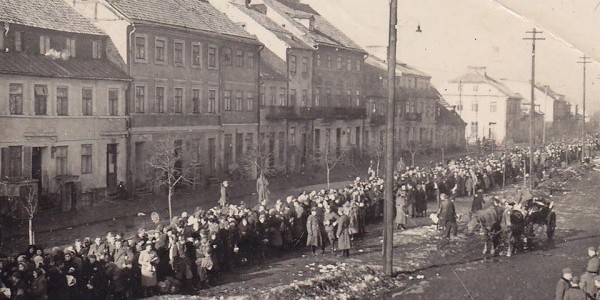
(533, 38)
(584, 61)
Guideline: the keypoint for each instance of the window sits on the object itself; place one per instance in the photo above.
(140, 99)
(349, 64)
(304, 100)
(250, 60)
(493, 106)
(160, 100)
(41, 98)
(178, 52)
(60, 155)
(178, 100)
(282, 99)
(140, 48)
(474, 105)
(329, 61)
(239, 59)
(18, 45)
(113, 102)
(239, 101)
(14, 162)
(97, 49)
(339, 62)
(249, 101)
(338, 98)
(226, 100)
(357, 97)
(272, 92)
(328, 97)
(44, 44)
(305, 65)
(62, 101)
(16, 99)
(227, 59)
(212, 57)
(292, 97)
(318, 58)
(263, 95)
(86, 101)
(475, 88)
(159, 50)
(358, 65)
(348, 97)
(71, 47)
(86, 159)
(212, 101)
(292, 136)
(196, 55)
(293, 64)
(195, 101)
(317, 96)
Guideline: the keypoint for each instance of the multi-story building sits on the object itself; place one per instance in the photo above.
(416, 104)
(63, 116)
(281, 128)
(195, 78)
(490, 109)
(336, 111)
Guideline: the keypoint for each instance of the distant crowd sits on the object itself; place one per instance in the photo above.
(194, 249)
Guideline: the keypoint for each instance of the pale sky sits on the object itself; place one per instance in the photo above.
(461, 33)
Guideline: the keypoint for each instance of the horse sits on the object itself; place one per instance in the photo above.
(489, 220)
(499, 224)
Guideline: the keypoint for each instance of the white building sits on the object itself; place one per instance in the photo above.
(490, 109)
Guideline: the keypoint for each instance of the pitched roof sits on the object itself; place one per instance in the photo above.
(473, 76)
(281, 33)
(449, 117)
(267, 72)
(324, 32)
(401, 68)
(40, 65)
(192, 14)
(47, 14)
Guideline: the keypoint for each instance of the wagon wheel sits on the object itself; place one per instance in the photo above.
(551, 225)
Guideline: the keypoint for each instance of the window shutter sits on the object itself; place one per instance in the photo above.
(27, 161)
(4, 162)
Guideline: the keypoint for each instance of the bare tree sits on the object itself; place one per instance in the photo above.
(169, 168)
(30, 205)
(330, 157)
(376, 152)
(258, 159)
(414, 147)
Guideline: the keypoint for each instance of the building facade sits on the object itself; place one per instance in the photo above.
(195, 81)
(490, 109)
(64, 106)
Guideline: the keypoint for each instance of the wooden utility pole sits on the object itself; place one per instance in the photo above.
(533, 38)
(388, 208)
(584, 61)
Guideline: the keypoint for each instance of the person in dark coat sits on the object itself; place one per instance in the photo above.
(477, 204)
(18, 288)
(37, 290)
(574, 292)
(343, 232)
(315, 234)
(563, 284)
(447, 217)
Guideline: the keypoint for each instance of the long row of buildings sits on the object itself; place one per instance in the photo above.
(90, 86)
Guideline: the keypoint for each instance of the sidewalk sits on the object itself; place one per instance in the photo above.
(52, 228)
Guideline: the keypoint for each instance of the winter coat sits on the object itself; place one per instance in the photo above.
(37, 291)
(447, 212)
(561, 288)
(575, 294)
(343, 233)
(315, 235)
(147, 260)
(586, 283)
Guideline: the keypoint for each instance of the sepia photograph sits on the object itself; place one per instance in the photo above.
(299, 149)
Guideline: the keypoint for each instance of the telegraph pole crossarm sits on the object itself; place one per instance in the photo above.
(533, 38)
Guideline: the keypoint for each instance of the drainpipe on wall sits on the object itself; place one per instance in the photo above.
(258, 99)
(286, 137)
(128, 97)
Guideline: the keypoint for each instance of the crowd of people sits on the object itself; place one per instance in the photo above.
(583, 287)
(193, 249)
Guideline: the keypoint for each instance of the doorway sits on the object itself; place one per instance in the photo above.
(36, 167)
(111, 166)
